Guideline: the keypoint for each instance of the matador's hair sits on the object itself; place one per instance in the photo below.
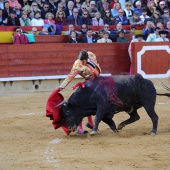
(83, 55)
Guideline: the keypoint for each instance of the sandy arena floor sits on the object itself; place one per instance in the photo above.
(29, 142)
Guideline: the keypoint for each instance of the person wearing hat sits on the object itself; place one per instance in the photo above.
(152, 37)
(135, 20)
(121, 37)
(139, 38)
(163, 35)
(37, 20)
(86, 66)
(12, 20)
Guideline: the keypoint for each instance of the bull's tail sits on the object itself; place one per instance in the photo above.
(165, 94)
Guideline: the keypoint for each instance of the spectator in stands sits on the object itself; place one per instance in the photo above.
(105, 38)
(1, 4)
(86, 3)
(71, 28)
(34, 7)
(40, 4)
(2, 18)
(168, 4)
(92, 9)
(60, 7)
(75, 19)
(161, 7)
(89, 38)
(53, 6)
(34, 31)
(138, 8)
(97, 20)
(132, 31)
(139, 38)
(6, 11)
(102, 10)
(156, 3)
(166, 15)
(64, 3)
(151, 8)
(73, 37)
(156, 17)
(112, 2)
(44, 31)
(77, 4)
(82, 9)
(152, 37)
(37, 20)
(27, 9)
(118, 29)
(86, 18)
(160, 25)
(108, 19)
(69, 9)
(49, 19)
(121, 37)
(128, 12)
(100, 5)
(148, 29)
(121, 18)
(24, 20)
(12, 20)
(101, 31)
(45, 10)
(60, 18)
(18, 37)
(106, 28)
(135, 20)
(144, 15)
(14, 4)
(163, 35)
(168, 26)
(84, 28)
(24, 3)
(115, 9)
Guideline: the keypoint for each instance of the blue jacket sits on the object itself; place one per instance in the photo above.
(84, 40)
(71, 20)
(124, 20)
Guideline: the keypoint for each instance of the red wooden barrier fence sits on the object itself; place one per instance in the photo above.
(151, 60)
(57, 59)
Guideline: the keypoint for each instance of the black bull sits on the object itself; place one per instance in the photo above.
(106, 96)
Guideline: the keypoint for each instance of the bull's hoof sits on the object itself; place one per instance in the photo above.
(81, 132)
(153, 133)
(93, 132)
(121, 126)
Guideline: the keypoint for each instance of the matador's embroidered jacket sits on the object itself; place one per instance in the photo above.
(88, 71)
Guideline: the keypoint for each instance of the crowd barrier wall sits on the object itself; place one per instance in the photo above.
(7, 31)
(151, 60)
(57, 59)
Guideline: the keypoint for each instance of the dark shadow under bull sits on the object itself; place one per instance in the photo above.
(106, 96)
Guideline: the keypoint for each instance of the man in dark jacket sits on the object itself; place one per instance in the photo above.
(89, 38)
(12, 19)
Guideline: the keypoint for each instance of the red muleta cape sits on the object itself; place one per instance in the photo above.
(55, 113)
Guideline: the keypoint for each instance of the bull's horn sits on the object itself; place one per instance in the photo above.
(63, 102)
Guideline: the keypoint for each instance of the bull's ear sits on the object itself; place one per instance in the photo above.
(64, 102)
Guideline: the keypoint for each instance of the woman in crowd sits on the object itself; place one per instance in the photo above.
(49, 18)
(128, 12)
(34, 7)
(112, 2)
(108, 19)
(24, 20)
(86, 2)
(115, 9)
(77, 4)
(7, 9)
(60, 18)
(97, 20)
(156, 17)
(151, 8)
